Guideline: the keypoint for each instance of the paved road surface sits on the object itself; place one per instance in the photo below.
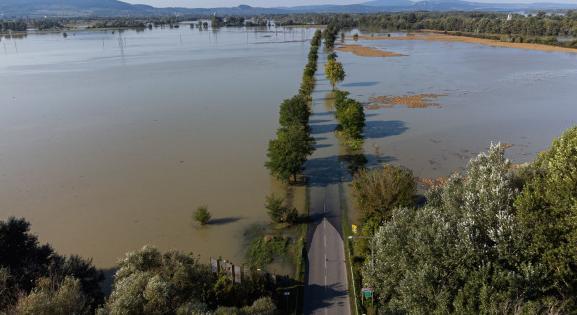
(326, 290)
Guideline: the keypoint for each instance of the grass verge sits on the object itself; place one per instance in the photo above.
(352, 280)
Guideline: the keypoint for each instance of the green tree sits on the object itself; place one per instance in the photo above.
(294, 111)
(334, 72)
(279, 212)
(49, 298)
(332, 56)
(202, 215)
(289, 151)
(547, 208)
(24, 261)
(262, 306)
(377, 192)
(149, 282)
(463, 252)
(351, 117)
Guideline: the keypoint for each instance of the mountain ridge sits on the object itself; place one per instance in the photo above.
(116, 8)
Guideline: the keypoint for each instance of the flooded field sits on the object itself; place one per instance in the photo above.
(482, 94)
(109, 141)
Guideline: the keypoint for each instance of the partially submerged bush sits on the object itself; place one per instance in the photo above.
(279, 212)
(202, 215)
(263, 250)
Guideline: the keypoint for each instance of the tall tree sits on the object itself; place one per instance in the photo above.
(547, 209)
(334, 72)
(289, 151)
(294, 111)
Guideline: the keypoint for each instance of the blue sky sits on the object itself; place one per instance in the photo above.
(280, 3)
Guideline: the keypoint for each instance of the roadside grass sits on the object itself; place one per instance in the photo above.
(354, 284)
(262, 251)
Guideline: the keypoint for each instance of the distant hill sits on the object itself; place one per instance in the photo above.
(115, 8)
(389, 3)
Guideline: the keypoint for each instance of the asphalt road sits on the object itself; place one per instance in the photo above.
(326, 290)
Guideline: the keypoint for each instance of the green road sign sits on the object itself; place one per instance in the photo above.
(367, 293)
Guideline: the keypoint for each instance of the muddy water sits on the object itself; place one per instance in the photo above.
(109, 141)
(519, 97)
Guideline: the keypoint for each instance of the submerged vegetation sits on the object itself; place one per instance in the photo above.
(201, 215)
(279, 212)
(351, 117)
(335, 72)
(349, 112)
(263, 250)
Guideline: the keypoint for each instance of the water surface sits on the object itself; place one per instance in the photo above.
(109, 141)
(519, 97)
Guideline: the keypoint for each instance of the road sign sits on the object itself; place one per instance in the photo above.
(367, 293)
(355, 228)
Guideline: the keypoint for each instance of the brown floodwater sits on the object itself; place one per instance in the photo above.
(483, 94)
(109, 141)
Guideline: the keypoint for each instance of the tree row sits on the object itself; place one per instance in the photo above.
(293, 143)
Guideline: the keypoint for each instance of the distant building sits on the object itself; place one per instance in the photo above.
(509, 17)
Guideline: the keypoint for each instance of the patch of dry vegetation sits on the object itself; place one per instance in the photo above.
(410, 101)
(365, 51)
(438, 37)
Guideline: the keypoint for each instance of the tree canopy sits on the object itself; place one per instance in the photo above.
(496, 239)
(334, 72)
(289, 151)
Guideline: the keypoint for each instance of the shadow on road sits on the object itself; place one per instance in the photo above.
(321, 172)
(320, 297)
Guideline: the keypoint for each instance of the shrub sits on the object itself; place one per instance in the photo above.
(377, 192)
(262, 251)
(50, 298)
(478, 247)
(201, 215)
(278, 212)
(547, 208)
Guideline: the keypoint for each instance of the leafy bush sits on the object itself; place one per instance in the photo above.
(480, 246)
(335, 72)
(547, 208)
(50, 298)
(262, 251)
(23, 262)
(148, 281)
(201, 215)
(279, 212)
(262, 306)
(377, 192)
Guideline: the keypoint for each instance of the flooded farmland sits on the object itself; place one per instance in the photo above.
(111, 140)
(476, 95)
(115, 138)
